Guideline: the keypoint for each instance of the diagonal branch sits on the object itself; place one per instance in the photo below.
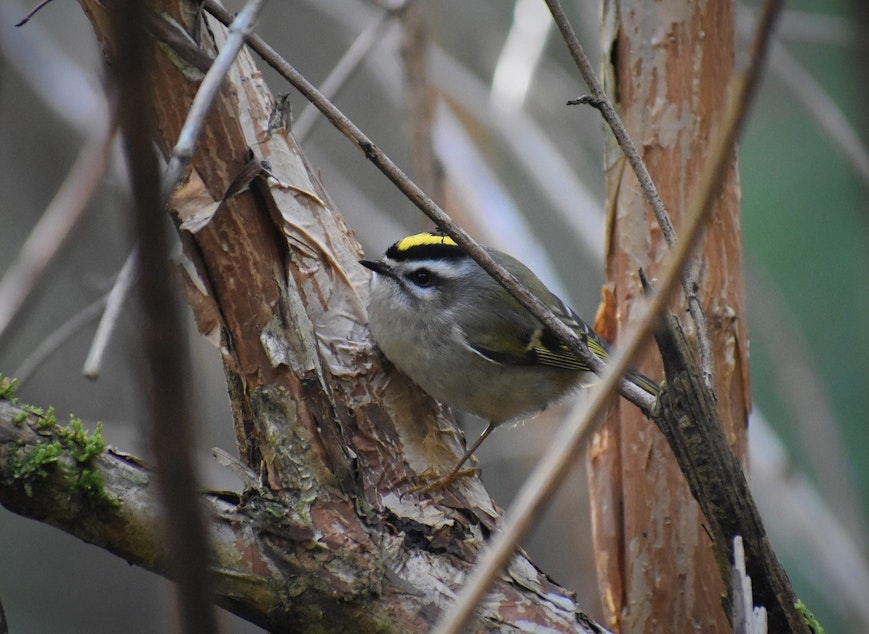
(330, 433)
(602, 103)
(374, 154)
(194, 122)
(54, 227)
(277, 566)
(554, 464)
(166, 365)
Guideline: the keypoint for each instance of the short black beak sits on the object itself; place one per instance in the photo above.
(376, 266)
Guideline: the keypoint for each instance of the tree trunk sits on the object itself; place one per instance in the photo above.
(670, 66)
(331, 532)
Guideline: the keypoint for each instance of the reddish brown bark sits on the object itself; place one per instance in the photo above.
(672, 61)
(336, 437)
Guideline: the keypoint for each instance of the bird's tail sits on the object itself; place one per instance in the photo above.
(643, 382)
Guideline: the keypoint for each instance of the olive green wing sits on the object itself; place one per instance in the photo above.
(511, 335)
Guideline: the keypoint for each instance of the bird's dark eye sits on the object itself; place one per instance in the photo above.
(421, 277)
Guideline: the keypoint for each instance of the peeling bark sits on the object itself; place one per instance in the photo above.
(333, 532)
(671, 63)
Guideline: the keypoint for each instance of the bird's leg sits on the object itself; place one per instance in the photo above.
(445, 481)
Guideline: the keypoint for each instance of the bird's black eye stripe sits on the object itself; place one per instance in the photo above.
(422, 277)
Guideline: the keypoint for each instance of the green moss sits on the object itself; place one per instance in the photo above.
(33, 463)
(46, 419)
(809, 618)
(7, 388)
(276, 513)
(90, 482)
(83, 448)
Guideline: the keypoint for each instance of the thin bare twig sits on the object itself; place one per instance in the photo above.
(166, 365)
(420, 103)
(113, 301)
(54, 227)
(182, 153)
(553, 466)
(554, 174)
(631, 392)
(599, 100)
(344, 70)
(50, 344)
(32, 12)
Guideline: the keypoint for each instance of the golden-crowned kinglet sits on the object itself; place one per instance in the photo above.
(443, 321)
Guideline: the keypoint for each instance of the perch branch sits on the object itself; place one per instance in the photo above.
(631, 392)
(265, 549)
(600, 101)
(553, 465)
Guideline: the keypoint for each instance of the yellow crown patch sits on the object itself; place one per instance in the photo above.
(423, 239)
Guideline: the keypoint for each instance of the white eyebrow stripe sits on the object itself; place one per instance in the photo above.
(451, 269)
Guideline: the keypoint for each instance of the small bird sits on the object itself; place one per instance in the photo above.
(459, 335)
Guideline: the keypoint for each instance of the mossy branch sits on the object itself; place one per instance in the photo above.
(284, 563)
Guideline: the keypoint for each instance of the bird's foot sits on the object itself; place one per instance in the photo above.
(431, 480)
